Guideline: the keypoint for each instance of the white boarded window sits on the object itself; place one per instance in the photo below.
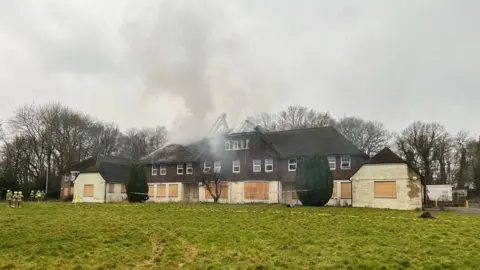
(154, 170)
(179, 168)
(227, 145)
(207, 167)
(236, 166)
(163, 170)
(257, 165)
(345, 162)
(217, 166)
(292, 164)
(268, 165)
(189, 168)
(332, 162)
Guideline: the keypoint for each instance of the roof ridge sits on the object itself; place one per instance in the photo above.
(297, 129)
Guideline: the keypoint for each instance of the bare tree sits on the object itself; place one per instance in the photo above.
(370, 136)
(213, 184)
(422, 139)
(265, 120)
(295, 117)
(136, 143)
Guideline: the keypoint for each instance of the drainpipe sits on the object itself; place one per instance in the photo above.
(351, 192)
(105, 192)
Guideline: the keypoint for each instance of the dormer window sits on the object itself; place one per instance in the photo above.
(292, 164)
(154, 170)
(189, 168)
(207, 167)
(227, 145)
(179, 168)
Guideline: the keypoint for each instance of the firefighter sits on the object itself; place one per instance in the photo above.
(14, 199)
(32, 195)
(19, 200)
(9, 198)
(42, 193)
(38, 195)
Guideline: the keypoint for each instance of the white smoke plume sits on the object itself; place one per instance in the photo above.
(197, 50)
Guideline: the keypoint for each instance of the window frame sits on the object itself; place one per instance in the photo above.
(349, 162)
(257, 165)
(93, 190)
(111, 188)
(217, 165)
(180, 167)
(289, 164)
(334, 162)
(123, 188)
(154, 170)
(266, 164)
(233, 166)
(205, 166)
(163, 168)
(228, 146)
(247, 141)
(341, 190)
(236, 145)
(189, 166)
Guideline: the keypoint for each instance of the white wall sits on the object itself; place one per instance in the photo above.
(337, 200)
(156, 198)
(117, 195)
(236, 193)
(94, 179)
(363, 187)
(439, 192)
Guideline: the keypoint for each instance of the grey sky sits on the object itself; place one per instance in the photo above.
(141, 63)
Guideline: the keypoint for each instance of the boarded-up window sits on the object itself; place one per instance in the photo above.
(294, 194)
(111, 188)
(346, 190)
(256, 190)
(223, 189)
(385, 189)
(173, 190)
(66, 191)
(151, 191)
(161, 188)
(124, 188)
(334, 193)
(87, 190)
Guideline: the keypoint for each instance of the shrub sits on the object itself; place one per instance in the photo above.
(137, 187)
(314, 181)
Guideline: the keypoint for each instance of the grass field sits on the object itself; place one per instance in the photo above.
(171, 236)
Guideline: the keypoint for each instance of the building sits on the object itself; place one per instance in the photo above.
(387, 181)
(255, 165)
(100, 179)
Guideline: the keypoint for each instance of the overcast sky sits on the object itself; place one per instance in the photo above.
(147, 63)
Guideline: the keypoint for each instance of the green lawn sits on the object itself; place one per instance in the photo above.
(200, 236)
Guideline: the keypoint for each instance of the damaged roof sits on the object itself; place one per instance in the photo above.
(113, 169)
(177, 153)
(309, 141)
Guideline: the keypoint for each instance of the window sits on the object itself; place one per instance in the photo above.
(385, 189)
(345, 162)
(154, 170)
(241, 144)
(235, 145)
(87, 190)
(73, 175)
(256, 190)
(189, 168)
(246, 143)
(292, 164)
(111, 188)
(227, 145)
(223, 191)
(217, 166)
(207, 167)
(123, 188)
(257, 165)
(332, 162)
(179, 168)
(268, 165)
(66, 191)
(163, 169)
(161, 188)
(173, 190)
(334, 193)
(236, 166)
(346, 190)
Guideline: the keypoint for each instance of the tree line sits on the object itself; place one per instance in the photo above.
(41, 140)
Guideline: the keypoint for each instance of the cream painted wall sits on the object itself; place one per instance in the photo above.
(94, 179)
(290, 187)
(117, 195)
(363, 187)
(157, 198)
(236, 193)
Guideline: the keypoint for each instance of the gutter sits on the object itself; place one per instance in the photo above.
(105, 193)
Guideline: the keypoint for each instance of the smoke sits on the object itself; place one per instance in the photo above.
(200, 52)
